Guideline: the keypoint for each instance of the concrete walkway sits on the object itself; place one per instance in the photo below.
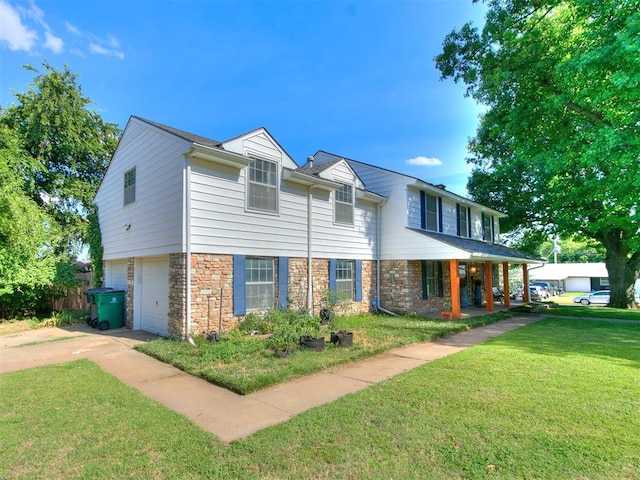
(227, 415)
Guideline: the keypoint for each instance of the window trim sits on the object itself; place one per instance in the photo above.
(131, 187)
(434, 213)
(336, 202)
(249, 183)
(350, 281)
(466, 232)
(248, 284)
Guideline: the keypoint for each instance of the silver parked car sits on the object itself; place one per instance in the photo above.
(601, 297)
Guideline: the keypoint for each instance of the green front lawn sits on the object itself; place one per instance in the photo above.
(245, 364)
(559, 399)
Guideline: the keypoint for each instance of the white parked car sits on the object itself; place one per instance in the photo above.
(601, 297)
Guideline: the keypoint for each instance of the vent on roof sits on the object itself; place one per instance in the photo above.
(441, 186)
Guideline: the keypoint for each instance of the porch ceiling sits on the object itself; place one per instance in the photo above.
(478, 250)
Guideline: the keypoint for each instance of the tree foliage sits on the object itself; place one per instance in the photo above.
(53, 154)
(558, 146)
(69, 143)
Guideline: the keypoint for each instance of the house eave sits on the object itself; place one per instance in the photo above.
(217, 155)
(298, 178)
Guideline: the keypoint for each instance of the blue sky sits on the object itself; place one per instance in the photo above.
(354, 78)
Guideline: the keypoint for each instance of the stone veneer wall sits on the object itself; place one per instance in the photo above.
(212, 275)
(211, 293)
(401, 288)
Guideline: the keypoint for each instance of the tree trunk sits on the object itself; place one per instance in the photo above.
(621, 268)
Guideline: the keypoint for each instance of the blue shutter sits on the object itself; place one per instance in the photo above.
(423, 265)
(458, 220)
(333, 267)
(440, 229)
(358, 274)
(239, 300)
(484, 231)
(440, 281)
(423, 210)
(283, 282)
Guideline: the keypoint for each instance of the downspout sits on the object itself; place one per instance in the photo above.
(309, 251)
(376, 301)
(187, 236)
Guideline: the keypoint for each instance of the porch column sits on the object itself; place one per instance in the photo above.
(505, 286)
(488, 282)
(525, 283)
(454, 278)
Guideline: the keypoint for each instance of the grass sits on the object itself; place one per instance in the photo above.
(559, 399)
(244, 365)
(52, 340)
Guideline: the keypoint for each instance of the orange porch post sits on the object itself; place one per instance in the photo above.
(455, 288)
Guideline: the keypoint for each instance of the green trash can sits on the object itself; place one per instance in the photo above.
(110, 309)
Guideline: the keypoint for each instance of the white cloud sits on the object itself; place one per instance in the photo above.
(100, 50)
(72, 28)
(12, 31)
(53, 43)
(424, 162)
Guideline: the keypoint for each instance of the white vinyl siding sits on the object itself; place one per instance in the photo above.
(155, 218)
(262, 186)
(344, 279)
(259, 283)
(343, 200)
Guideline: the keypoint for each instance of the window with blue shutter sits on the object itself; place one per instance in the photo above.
(358, 274)
(283, 282)
(423, 210)
(333, 266)
(239, 305)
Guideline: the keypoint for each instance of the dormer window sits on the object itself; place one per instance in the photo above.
(343, 204)
(262, 186)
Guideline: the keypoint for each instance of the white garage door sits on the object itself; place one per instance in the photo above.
(154, 293)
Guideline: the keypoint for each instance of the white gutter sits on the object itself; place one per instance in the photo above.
(187, 239)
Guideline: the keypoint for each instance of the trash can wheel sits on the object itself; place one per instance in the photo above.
(94, 323)
(103, 325)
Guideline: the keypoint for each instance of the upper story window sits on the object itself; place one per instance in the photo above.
(343, 204)
(344, 279)
(130, 186)
(431, 212)
(487, 228)
(262, 191)
(463, 221)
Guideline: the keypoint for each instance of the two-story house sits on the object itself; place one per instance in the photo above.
(200, 232)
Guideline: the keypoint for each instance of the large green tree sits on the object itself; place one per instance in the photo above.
(53, 153)
(69, 142)
(558, 145)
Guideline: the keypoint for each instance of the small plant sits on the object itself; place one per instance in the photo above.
(283, 340)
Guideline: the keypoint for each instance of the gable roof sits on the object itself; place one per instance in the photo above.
(417, 182)
(480, 250)
(190, 137)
